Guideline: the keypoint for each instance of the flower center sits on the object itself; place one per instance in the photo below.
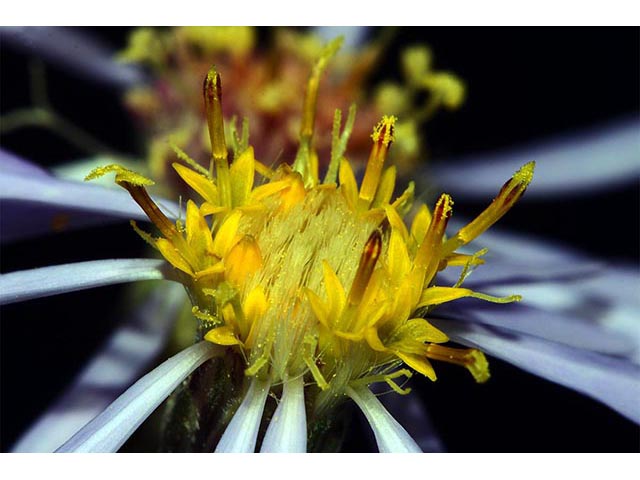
(317, 279)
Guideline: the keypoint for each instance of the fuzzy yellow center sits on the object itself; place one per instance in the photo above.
(317, 279)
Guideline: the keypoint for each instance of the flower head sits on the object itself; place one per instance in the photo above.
(313, 280)
(230, 389)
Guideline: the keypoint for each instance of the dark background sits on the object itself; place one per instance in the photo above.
(523, 84)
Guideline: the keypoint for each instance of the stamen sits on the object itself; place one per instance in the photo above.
(509, 194)
(429, 252)
(212, 90)
(382, 138)
(301, 164)
(472, 359)
(368, 260)
(142, 198)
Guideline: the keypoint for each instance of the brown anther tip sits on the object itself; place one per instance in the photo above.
(443, 210)
(373, 247)
(211, 86)
(370, 254)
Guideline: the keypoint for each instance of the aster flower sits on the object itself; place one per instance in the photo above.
(390, 436)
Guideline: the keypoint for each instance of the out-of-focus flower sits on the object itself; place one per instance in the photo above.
(266, 84)
(578, 354)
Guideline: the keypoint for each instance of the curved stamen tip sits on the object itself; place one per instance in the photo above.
(525, 174)
(444, 207)
(383, 131)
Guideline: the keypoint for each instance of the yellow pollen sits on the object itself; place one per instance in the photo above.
(382, 138)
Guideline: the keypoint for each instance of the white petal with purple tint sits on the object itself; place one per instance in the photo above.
(78, 52)
(390, 436)
(410, 411)
(127, 353)
(242, 432)
(287, 431)
(613, 381)
(576, 164)
(109, 430)
(42, 282)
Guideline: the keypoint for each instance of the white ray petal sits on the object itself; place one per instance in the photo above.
(610, 380)
(74, 50)
(242, 432)
(74, 196)
(576, 164)
(12, 164)
(287, 431)
(127, 353)
(410, 411)
(390, 436)
(109, 430)
(42, 282)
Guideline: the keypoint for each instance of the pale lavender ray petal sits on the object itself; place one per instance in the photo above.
(109, 430)
(13, 164)
(578, 164)
(20, 220)
(63, 204)
(287, 431)
(574, 329)
(612, 381)
(520, 248)
(42, 282)
(410, 411)
(127, 353)
(75, 51)
(241, 434)
(391, 437)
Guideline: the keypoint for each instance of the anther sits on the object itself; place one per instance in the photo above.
(142, 198)
(382, 137)
(370, 254)
(212, 92)
(429, 252)
(509, 194)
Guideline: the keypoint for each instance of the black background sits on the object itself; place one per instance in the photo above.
(524, 84)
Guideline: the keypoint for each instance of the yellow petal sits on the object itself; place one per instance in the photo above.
(336, 295)
(226, 236)
(173, 256)
(420, 224)
(419, 364)
(201, 184)
(372, 338)
(420, 330)
(242, 175)
(386, 188)
(222, 336)
(243, 260)
(348, 184)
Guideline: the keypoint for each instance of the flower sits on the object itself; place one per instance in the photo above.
(294, 395)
